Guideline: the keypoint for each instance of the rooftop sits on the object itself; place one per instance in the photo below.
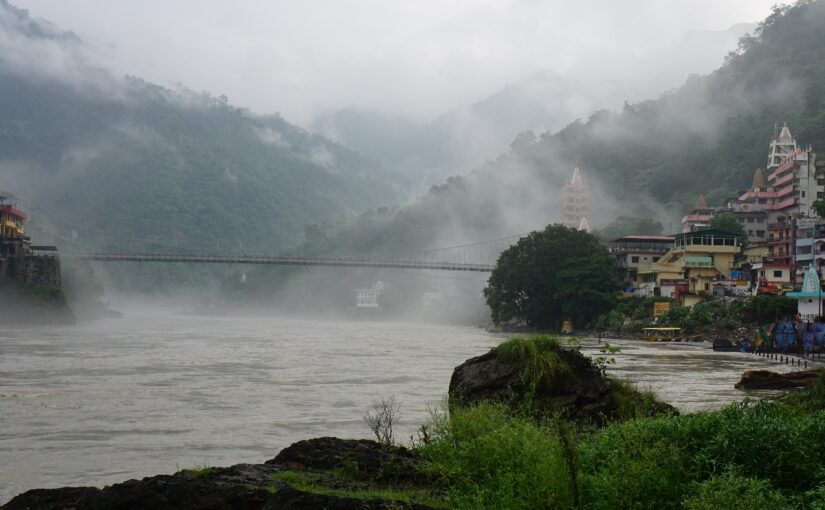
(643, 238)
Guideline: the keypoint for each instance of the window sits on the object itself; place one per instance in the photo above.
(777, 274)
(634, 259)
(803, 193)
(655, 259)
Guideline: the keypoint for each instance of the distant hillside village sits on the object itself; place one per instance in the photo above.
(783, 239)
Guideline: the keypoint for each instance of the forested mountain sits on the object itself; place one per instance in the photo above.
(426, 152)
(116, 160)
(650, 159)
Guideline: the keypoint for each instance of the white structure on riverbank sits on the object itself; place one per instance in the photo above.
(809, 299)
(368, 297)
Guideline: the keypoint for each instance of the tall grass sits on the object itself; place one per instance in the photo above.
(538, 355)
(484, 457)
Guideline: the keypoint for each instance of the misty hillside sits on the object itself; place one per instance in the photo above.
(706, 136)
(465, 137)
(115, 159)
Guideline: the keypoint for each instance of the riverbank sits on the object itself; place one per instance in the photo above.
(490, 455)
(26, 304)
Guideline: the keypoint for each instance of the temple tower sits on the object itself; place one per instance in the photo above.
(575, 210)
(782, 146)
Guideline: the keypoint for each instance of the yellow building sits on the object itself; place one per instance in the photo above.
(688, 271)
(11, 222)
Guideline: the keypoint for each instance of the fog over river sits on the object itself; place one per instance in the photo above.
(111, 400)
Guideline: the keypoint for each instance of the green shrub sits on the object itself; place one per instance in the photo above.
(632, 402)
(769, 440)
(485, 457)
(730, 491)
(640, 464)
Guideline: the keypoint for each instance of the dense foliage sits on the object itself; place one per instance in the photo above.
(633, 314)
(552, 275)
(729, 223)
(748, 455)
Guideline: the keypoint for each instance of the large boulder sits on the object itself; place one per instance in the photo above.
(767, 380)
(574, 387)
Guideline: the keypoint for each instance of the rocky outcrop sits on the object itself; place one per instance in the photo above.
(249, 486)
(767, 380)
(361, 457)
(238, 487)
(581, 391)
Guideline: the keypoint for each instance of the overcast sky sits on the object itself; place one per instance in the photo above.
(303, 57)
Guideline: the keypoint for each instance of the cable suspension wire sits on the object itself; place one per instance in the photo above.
(479, 253)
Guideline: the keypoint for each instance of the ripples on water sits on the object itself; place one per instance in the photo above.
(107, 401)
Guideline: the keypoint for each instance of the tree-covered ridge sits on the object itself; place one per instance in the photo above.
(649, 160)
(96, 153)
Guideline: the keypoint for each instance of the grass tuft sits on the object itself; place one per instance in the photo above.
(539, 357)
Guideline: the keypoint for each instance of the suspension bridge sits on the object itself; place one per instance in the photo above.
(478, 257)
(282, 261)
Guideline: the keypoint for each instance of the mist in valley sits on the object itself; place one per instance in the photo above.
(331, 131)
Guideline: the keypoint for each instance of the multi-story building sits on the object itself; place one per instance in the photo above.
(13, 240)
(794, 187)
(635, 251)
(750, 209)
(696, 261)
(810, 245)
(575, 209)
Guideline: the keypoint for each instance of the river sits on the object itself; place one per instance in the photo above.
(106, 401)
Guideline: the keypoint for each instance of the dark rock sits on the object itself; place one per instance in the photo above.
(293, 499)
(233, 488)
(364, 457)
(767, 380)
(583, 394)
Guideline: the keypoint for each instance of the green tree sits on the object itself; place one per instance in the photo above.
(552, 275)
(819, 207)
(729, 223)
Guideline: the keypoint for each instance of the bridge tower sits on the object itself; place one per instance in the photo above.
(575, 212)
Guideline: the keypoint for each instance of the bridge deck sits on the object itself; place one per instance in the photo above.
(282, 261)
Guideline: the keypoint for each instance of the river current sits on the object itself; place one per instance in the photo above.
(106, 401)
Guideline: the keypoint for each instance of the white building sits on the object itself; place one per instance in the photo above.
(368, 297)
